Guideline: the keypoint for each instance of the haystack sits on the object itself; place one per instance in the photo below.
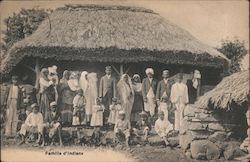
(232, 89)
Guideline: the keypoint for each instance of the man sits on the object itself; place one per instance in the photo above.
(13, 103)
(164, 87)
(149, 85)
(107, 91)
(53, 123)
(33, 124)
(179, 97)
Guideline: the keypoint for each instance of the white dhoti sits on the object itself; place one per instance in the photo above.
(26, 128)
(11, 118)
(150, 105)
(178, 115)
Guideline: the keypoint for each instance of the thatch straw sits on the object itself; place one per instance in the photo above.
(232, 89)
(114, 34)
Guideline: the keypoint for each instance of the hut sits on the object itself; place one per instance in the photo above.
(219, 121)
(89, 37)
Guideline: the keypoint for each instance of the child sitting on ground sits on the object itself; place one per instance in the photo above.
(97, 121)
(78, 113)
(53, 123)
(114, 110)
(122, 128)
(163, 127)
(143, 126)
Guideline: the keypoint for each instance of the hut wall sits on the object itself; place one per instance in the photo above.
(210, 134)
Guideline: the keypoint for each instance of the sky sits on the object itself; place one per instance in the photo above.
(209, 21)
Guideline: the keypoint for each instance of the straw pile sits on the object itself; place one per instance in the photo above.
(112, 34)
(232, 89)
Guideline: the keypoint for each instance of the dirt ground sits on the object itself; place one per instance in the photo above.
(11, 152)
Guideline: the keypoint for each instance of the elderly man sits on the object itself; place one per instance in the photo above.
(33, 124)
(149, 85)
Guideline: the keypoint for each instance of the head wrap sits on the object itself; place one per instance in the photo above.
(149, 70)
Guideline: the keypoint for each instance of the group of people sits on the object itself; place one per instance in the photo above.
(75, 100)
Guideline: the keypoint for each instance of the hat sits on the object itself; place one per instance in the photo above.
(14, 77)
(108, 68)
(121, 112)
(149, 70)
(34, 105)
(136, 76)
(165, 72)
(53, 104)
(143, 113)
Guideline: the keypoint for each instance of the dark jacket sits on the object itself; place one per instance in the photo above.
(146, 86)
(162, 87)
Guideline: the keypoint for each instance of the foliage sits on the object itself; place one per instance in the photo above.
(235, 50)
(21, 25)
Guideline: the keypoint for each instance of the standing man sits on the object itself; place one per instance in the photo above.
(13, 103)
(179, 97)
(164, 87)
(107, 91)
(149, 85)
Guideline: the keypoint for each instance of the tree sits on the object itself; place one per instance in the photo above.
(235, 50)
(21, 25)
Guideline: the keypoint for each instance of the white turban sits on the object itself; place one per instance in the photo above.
(149, 70)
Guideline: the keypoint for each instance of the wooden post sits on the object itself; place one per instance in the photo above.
(37, 70)
(121, 69)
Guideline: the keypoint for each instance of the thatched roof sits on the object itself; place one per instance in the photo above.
(112, 34)
(232, 89)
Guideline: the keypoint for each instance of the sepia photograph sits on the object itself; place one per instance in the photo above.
(124, 81)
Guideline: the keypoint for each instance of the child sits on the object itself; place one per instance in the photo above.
(78, 112)
(142, 126)
(53, 123)
(97, 121)
(164, 106)
(162, 127)
(122, 128)
(114, 110)
(33, 124)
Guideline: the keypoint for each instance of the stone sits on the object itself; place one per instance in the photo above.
(204, 149)
(156, 140)
(188, 154)
(185, 140)
(197, 126)
(218, 136)
(189, 111)
(233, 152)
(173, 141)
(200, 134)
(184, 126)
(203, 115)
(216, 126)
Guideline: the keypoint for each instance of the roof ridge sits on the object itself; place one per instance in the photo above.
(97, 7)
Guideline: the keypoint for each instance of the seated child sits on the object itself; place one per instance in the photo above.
(163, 127)
(53, 123)
(142, 127)
(113, 113)
(122, 128)
(164, 106)
(33, 124)
(78, 113)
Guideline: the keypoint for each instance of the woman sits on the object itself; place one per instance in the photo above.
(47, 93)
(68, 91)
(194, 86)
(126, 94)
(138, 99)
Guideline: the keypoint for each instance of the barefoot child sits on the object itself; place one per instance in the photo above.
(78, 112)
(114, 110)
(122, 128)
(162, 127)
(142, 126)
